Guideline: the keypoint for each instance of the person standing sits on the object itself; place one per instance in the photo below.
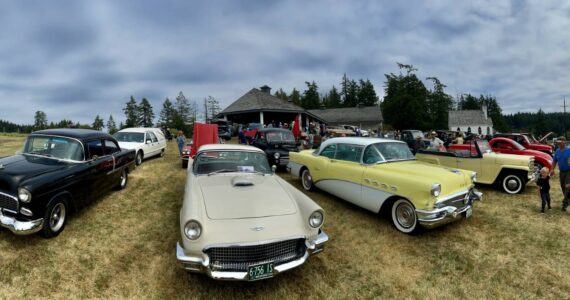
(543, 183)
(180, 140)
(561, 158)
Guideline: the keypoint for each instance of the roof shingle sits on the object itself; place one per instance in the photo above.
(467, 118)
(256, 100)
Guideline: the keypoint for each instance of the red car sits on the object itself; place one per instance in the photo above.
(203, 134)
(525, 141)
(508, 146)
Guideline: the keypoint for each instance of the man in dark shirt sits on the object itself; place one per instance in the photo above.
(561, 158)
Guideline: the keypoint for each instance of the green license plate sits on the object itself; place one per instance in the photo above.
(260, 271)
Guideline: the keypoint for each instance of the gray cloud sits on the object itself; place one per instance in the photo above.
(75, 60)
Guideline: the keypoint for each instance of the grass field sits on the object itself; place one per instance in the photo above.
(122, 246)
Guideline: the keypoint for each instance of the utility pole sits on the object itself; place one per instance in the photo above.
(564, 118)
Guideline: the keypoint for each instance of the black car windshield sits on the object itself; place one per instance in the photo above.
(54, 147)
(218, 161)
(130, 137)
(394, 151)
(280, 136)
(416, 134)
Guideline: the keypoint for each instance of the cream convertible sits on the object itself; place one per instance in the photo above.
(239, 221)
(383, 175)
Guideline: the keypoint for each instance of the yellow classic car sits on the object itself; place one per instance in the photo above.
(383, 176)
(506, 171)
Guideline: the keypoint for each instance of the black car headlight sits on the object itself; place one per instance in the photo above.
(192, 230)
(276, 155)
(24, 195)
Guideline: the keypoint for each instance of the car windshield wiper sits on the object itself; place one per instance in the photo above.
(38, 153)
(221, 171)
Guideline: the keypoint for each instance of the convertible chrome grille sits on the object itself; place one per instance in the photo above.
(238, 258)
(458, 201)
(8, 202)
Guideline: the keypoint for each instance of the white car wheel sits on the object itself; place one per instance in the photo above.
(139, 158)
(306, 180)
(512, 184)
(404, 216)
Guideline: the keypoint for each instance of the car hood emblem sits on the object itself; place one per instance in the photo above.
(257, 228)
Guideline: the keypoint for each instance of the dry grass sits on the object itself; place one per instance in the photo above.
(122, 246)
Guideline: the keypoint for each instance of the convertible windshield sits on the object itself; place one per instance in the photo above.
(280, 136)
(483, 146)
(54, 147)
(388, 152)
(130, 137)
(212, 162)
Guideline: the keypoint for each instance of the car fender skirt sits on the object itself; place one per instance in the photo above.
(21, 227)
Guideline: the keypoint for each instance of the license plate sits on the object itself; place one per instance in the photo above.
(468, 213)
(260, 271)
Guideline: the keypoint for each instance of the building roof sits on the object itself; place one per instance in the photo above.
(468, 118)
(350, 115)
(256, 100)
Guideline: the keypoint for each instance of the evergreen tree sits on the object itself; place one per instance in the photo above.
(40, 120)
(166, 114)
(212, 107)
(295, 97)
(281, 95)
(333, 99)
(98, 123)
(439, 104)
(131, 111)
(121, 126)
(366, 93)
(540, 127)
(311, 99)
(404, 106)
(185, 114)
(349, 92)
(468, 102)
(146, 114)
(111, 126)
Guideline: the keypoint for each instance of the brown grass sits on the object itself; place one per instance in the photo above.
(122, 246)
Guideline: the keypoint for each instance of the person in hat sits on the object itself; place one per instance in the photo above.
(561, 158)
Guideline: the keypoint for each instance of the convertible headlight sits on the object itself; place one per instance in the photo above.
(192, 230)
(316, 219)
(435, 189)
(473, 176)
(276, 155)
(24, 195)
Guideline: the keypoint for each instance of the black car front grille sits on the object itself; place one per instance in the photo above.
(238, 258)
(8, 202)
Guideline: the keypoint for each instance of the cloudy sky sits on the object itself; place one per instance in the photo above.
(77, 59)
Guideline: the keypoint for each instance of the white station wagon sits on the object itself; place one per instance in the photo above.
(239, 221)
(147, 142)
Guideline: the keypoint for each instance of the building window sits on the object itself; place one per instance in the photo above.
(479, 130)
(488, 130)
(458, 129)
(469, 129)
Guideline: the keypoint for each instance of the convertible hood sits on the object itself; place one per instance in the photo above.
(17, 168)
(244, 196)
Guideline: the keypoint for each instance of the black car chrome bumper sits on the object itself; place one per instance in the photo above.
(200, 264)
(21, 227)
(447, 214)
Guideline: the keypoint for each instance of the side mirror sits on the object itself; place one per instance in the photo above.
(148, 141)
(273, 168)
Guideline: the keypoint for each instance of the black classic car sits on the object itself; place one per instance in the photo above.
(277, 143)
(57, 172)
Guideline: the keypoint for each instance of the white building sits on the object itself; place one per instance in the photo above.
(475, 121)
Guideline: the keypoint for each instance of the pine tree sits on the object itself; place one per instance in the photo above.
(295, 97)
(281, 95)
(111, 126)
(146, 114)
(98, 123)
(166, 114)
(333, 99)
(366, 93)
(438, 105)
(311, 99)
(131, 111)
(40, 120)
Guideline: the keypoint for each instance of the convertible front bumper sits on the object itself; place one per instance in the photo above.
(21, 227)
(201, 264)
(449, 213)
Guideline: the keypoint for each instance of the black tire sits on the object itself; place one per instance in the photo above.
(162, 153)
(404, 216)
(123, 180)
(512, 183)
(139, 158)
(55, 217)
(184, 164)
(307, 180)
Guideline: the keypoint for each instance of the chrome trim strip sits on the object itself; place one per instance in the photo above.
(461, 193)
(21, 227)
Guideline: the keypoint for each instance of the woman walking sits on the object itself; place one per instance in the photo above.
(180, 140)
